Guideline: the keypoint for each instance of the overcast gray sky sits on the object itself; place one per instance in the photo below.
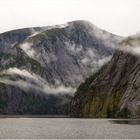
(121, 17)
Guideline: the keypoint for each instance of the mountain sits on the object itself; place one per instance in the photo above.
(42, 67)
(114, 91)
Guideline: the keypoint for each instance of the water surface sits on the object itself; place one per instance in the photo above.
(66, 128)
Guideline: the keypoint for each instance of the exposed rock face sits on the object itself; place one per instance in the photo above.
(50, 60)
(114, 91)
(9, 39)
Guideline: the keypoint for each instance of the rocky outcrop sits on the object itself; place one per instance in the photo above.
(114, 91)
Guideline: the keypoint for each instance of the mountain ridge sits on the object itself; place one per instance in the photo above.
(58, 57)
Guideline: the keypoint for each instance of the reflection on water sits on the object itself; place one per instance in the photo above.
(126, 121)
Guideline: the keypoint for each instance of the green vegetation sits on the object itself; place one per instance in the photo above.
(124, 113)
(22, 61)
(108, 107)
(98, 100)
(42, 104)
(3, 104)
(49, 33)
(84, 86)
(54, 32)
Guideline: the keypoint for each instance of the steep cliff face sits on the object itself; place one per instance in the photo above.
(114, 91)
(50, 61)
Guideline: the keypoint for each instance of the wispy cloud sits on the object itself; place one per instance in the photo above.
(38, 53)
(74, 48)
(103, 61)
(17, 71)
(34, 82)
(26, 47)
(131, 45)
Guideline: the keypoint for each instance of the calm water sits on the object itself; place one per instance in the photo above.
(67, 128)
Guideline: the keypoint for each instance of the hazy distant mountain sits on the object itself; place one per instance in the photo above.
(114, 91)
(42, 67)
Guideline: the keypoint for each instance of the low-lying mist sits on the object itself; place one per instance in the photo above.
(30, 81)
